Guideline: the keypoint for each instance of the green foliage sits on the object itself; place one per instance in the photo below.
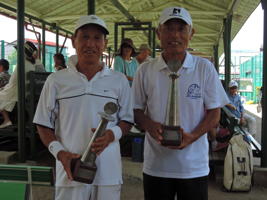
(12, 58)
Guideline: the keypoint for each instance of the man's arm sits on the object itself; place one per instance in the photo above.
(47, 136)
(152, 127)
(101, 143)
(231, 106)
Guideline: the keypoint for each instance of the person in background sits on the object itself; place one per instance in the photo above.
(145, 51)
(38, 64)
(59, 62)
(9, 95)
(123, 61)
(4, 75)
(235, 106)
(260, 97)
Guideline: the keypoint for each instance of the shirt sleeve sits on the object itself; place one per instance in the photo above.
(119, 65)
(138, 89)
(214, 95)
(47, 109)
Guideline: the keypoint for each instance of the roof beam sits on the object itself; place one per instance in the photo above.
(27, 10)
(212, 6)
(123, 10)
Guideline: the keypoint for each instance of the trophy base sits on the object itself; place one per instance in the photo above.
(171, 136)
(82, 172)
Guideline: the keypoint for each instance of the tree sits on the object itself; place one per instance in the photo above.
(12, 58)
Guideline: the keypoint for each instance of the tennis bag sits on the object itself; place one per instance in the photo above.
(238, 164)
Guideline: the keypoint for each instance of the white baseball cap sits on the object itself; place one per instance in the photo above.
(175, 12)
(90, 19)
(232, 83)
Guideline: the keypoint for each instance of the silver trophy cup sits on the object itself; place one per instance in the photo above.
(84, 169)
(171, 135)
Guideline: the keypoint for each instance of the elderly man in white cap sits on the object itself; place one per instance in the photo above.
(236, 107)
(145, 50)
(67, 114)
(182, 170)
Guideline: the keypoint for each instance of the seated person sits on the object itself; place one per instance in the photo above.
(236, 107)
(260, 97)
(9, 95)
(217, 131)
(59, 62)
(145, 50)
(4, 75)
(38, 64)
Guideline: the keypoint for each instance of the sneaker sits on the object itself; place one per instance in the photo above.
(223, 132)
(134, 130)
(220, 146)
(6, 124)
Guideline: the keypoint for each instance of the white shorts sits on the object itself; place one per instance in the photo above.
(89, 192)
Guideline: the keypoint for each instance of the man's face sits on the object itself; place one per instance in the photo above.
(233, 89)
(144, 55)
(89, 43)
(175, 36)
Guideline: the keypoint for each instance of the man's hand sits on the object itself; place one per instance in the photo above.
(101, 143)
(65, 158)
(242, 120)
(155, 131)
(187, 138)
(234, 108)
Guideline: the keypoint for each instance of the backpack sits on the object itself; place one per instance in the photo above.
(238, 164)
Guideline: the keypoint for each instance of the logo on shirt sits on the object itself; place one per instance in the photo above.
(194, 91)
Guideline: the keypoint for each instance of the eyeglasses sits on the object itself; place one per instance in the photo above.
(233, 88)
(126, 46)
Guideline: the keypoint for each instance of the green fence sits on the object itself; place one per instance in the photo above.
(252, 69)
(9, 53)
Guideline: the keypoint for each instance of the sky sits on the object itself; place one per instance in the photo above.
(249, 38)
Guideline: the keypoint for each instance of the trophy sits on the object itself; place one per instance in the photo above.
(171, 134)
(83, 170)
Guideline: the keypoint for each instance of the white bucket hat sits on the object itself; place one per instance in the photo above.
(175, 12)
(232, 83)
(90, 19)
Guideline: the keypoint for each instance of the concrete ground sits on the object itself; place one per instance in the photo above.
(132, 188)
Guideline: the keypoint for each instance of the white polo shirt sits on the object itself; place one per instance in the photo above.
(198, 87)
(70, 104)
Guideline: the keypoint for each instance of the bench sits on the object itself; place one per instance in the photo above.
(34, 85)
(32, 175)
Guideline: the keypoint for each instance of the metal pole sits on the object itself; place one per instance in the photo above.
(2, 49)
(91, 7)
(149, 33)
(216, 58)
(122, 33)
(57, 31)
(109, 57)
(43, 43)
(50, 58)
(116, 38)
(154, 43)
(227, 50)
(264, 94)
(21, 81)
(64, 43)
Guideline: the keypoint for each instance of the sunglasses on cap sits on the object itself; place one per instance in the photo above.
(127, 46)
(233, 88)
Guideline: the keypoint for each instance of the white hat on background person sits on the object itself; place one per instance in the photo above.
(90, 19)
(175, 12)
(232, 83)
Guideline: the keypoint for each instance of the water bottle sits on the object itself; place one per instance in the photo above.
(249, 139)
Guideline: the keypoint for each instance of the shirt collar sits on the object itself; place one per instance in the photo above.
(72, 61)
(188, 61)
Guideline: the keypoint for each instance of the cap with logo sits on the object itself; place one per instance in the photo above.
(232, 83)
(91, 19)
(175, 12)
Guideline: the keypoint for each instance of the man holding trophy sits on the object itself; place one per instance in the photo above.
(86, 97)
(170, 95)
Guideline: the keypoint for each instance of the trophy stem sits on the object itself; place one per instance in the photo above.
(89, 157)
(172, 113)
